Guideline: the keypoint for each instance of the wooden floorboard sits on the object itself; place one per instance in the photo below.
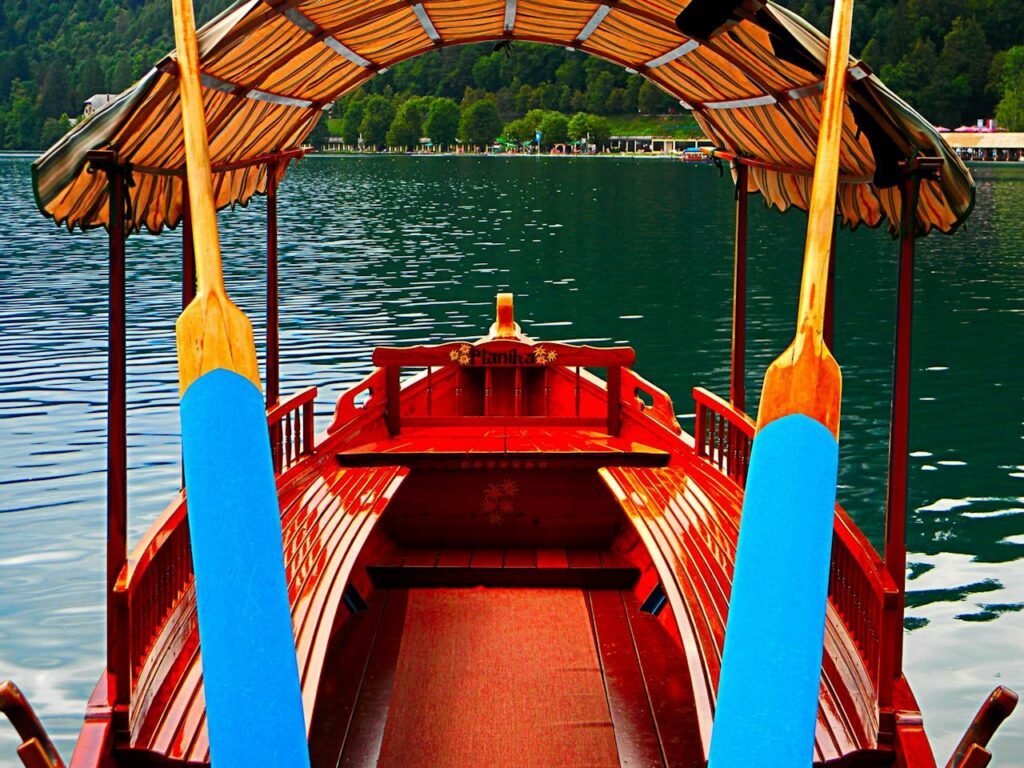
(635, 733)
(668, 689)
(366, 734)
(343, 675)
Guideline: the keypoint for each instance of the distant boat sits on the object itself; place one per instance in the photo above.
(694, 155)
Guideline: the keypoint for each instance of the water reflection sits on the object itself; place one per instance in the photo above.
(395, 250)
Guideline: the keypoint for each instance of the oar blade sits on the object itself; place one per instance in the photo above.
(213, 333)
(767, 702)
(250, 675)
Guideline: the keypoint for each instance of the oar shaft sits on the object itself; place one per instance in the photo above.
(821, 215)
(197, 158)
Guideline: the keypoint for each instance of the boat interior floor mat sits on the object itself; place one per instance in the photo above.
(487, 676)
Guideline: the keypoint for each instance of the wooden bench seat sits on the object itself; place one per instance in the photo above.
(538, 445)
(492, 567)
(689, 523)
(324, 528)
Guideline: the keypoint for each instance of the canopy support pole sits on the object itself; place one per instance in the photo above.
(891, 662)
(188, 254)
(737, 390)
(830, 292)
(118, 681)
(273, 339)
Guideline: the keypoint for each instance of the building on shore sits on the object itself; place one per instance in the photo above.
(656, 144)
(96, 102)
(996, 146)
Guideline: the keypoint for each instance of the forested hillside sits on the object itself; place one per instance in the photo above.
(955, 60)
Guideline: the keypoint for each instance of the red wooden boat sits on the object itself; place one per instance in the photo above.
(493, 556)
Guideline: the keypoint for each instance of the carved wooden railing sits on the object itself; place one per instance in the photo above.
(291, 429)
(493, 354)
(158, 574)
(860, 588)
(722, 435)
(348, 409)
(651, 399)
(863, 593)
(159, 571)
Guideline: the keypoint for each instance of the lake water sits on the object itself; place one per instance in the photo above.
(382, 250)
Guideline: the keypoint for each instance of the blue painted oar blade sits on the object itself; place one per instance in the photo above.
(767, 702)
(250, 674)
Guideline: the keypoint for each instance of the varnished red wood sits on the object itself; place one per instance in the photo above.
(107, 162)
(188, 254)
(737, 370)
(899, 429)
(504, 567)
(366, 730)
(509, 500)
(504, 353)
(273, 337)
(636, 732)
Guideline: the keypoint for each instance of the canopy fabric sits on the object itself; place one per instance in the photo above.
(750, 71)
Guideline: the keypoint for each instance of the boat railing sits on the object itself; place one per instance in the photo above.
(159, 571)
(860, 588)
(649, 398)
(864, 595)
(489, 356)
(156, 576)
(290, 423)
(352, 405)
(722, 435)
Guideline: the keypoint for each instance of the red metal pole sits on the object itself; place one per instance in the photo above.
(188, 255)
(273, 340)
(899, 429)
(737, 390)
(117, 442)
(830, 293)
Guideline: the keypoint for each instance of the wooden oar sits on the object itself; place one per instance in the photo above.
(767, 703)
(250, 675)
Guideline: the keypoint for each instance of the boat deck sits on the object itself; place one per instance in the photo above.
(438, 676)
(411, 648)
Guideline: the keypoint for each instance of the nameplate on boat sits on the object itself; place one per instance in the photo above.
(473, 356)
(504, 353)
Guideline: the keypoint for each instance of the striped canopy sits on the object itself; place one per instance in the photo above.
(750, 71)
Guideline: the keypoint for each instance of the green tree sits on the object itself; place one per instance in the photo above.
(91, 79)
(23, 121)
(55, 93)
(53, 129)
(598, 91)
(487, 72)
(407, 127)
(442, 124)
(593, 128)
(570, 73)
(554, 129)
(600, 130)
(629, 99)
(122, 76)
(519, 131)
(534, 117)
(378, 112)
(319, 136)
(351, 121)
(963, 71)
(579, 126)
(480, 123)
(651, 100)
(912, 76)
(1010, 111)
